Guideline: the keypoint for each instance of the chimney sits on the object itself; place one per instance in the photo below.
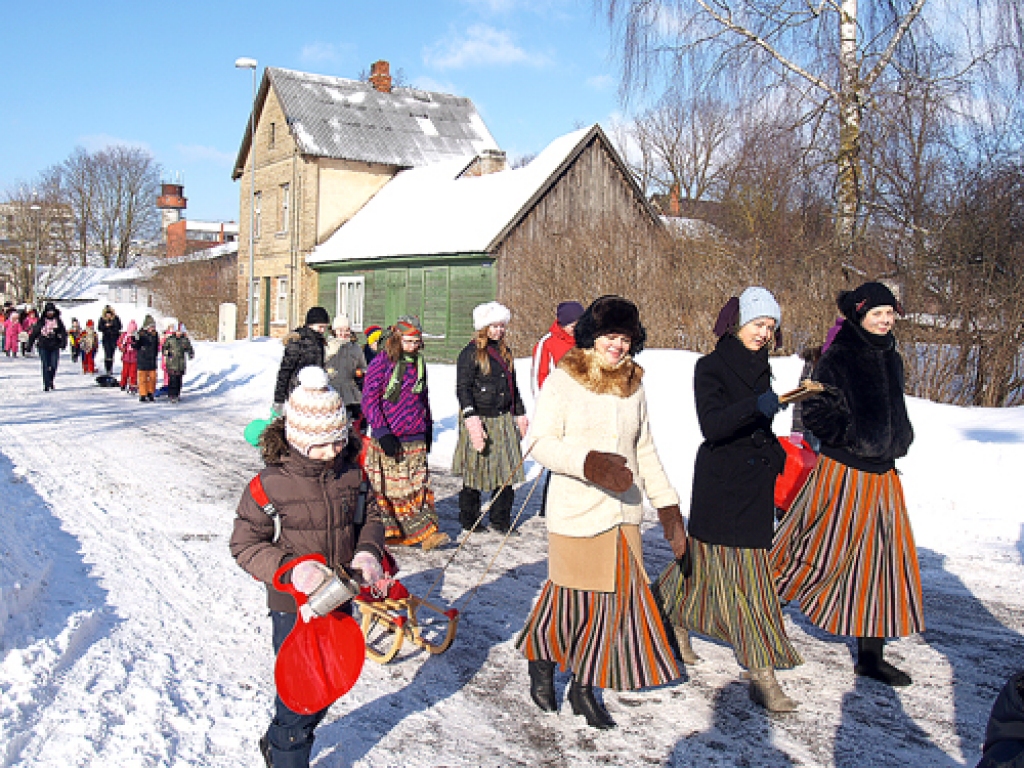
(380, 76)
(673, 201)
(488, 161)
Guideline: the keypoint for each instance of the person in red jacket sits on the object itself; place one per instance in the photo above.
(548, 351)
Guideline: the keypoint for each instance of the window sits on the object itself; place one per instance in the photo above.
(273, 135)
(350, 299)
(281, 305)
(257, 215)
(285, 205)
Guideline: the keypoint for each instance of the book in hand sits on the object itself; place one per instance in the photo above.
(807, 388)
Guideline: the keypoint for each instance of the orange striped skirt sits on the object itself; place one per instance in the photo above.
(401, 487)
(846, 554)
(607, 639)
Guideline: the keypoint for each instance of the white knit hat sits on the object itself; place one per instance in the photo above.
(341, 321)
(490, 313)
(315, 414)
(758, 302)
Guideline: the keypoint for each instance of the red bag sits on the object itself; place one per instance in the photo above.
(800, 460)
(321, 659)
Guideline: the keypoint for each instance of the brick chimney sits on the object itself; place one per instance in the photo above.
(380, 76)
(673, 201)
(488, 161)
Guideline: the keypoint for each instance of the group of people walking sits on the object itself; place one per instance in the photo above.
(844, 553)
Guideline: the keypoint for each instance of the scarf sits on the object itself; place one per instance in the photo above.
(394, 388)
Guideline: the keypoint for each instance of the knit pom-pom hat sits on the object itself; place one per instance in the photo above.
(314, 414)
(491, 313)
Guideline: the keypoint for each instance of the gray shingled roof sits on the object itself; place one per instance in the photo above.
(350, 120)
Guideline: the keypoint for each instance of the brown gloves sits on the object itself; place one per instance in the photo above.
(608, 470)
(675, 534)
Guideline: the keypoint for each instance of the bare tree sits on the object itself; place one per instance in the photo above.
(81, 187)
(835, 51)
(125, 211)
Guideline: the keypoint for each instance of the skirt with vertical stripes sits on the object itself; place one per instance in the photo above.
(501, 459)
(730, 597)
(846, 554)
(401, 486)
(607, 639)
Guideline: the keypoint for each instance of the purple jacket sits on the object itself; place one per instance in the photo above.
(409, 419)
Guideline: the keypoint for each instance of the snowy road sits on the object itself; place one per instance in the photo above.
(128, 636)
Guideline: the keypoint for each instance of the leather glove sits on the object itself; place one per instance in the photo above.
(368, 565)
(768, 403)
(277, 409)
(608, 470)
(477, 433)
(675, 534)
(308, 575)
(390, 445)
(524, 425)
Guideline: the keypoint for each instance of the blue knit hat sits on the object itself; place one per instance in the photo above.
(758, 302)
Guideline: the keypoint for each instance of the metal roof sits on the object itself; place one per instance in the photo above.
(351, 120)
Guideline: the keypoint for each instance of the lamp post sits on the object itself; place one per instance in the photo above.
(246, 63)
(35, 208)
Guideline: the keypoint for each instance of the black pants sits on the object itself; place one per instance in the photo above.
(501, 508)
(49, 359)
(108, 355)
(174, 383)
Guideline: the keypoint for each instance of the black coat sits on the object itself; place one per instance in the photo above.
(733, 501)
(56, 339)
(485, 393)
(302, 347)
(862, 420)
(110, 330)
(148, 345)
(1004, 737)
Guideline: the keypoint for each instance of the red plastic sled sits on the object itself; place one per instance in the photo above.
(800, 460)
(321, 659)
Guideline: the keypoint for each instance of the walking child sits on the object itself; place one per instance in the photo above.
(176, 348)
(129, 359)
(88, 342)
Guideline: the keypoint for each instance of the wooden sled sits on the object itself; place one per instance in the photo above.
(395, 620)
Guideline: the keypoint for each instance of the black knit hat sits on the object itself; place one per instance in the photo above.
(861, 300)
(607, 315)
(317, 315)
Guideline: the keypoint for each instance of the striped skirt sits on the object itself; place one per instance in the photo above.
(846, 554)
(730, 597)
(502, 457)
(608, 639)
(401, 486)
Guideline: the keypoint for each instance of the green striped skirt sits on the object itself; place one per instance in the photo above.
(501, 459)
(730, 597)
(608, 639)
(401, 487)
(846, 554)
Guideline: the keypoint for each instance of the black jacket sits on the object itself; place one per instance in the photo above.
(485, 393)
(148, 345)
(733, 501)
(55, 339)
(302, 347)
(110, 330)
(1004, 737)
(862, 420)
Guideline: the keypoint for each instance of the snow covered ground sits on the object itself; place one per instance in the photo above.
(129, 637)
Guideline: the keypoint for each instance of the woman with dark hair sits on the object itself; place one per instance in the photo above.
(730, 595)
(596, 615)
(51, 337)
(397, 410)
(845, 553)
(109, 329)
(492, 421)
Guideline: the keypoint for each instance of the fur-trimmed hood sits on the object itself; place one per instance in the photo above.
(584, 367)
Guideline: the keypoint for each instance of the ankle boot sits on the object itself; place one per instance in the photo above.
(542, 685)
(765, 690)
(871, 664)
(469, 509)
(686, 652)
(583, 702)
(501, 511)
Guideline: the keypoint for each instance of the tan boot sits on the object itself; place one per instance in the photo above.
(686, 652)
(765, 690)
(434, 540)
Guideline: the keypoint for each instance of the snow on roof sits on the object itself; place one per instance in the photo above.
(76, 283)
(351, 120)
(431, 210)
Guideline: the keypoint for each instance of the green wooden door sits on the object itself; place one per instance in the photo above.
(395, 301)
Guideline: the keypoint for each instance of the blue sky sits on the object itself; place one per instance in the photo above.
(162, 76)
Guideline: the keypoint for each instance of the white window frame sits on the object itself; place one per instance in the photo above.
(350, 299)
(281, 301)
(257, 215)
(286, 204)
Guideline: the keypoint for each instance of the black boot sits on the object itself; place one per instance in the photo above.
(469, 509)
(501, 510)
(871, 664)
(583, 702)
(542, 685)
(265, 751)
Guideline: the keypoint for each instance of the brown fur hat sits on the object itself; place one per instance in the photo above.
(611, 314)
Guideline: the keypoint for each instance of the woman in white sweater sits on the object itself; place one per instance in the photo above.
(596, 615)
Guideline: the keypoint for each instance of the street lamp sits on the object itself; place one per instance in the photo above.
(246, 63)
(36, 208)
